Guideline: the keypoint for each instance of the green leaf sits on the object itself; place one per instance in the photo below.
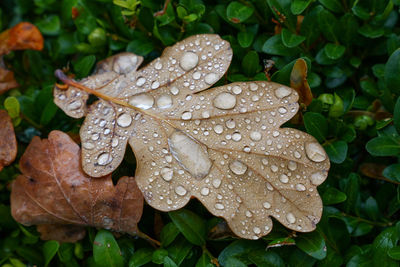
(337, 151)
(190, 225)
(316, 125)
(106, 251)
(275, 46)
(332, 5)
(313, 244)
(12, 106)
(250, 63)
(236, 250)
(159, 255)
(394, 253)
(290, 39)
(333, 196)
(168, 262)
(371, 31)
(371, 208)
(392, 72)
(384, 146)
(392, 172)
(50, 249)
(168, 234)
(328, 25)
(237, 12)
(385, 241)
(204, 261)
(334, 51)
(265, 258)
(246, 38)
(179, 250)
(83, 66)
(281, 9)
(49, 25)
(141, 257)
(298, 6)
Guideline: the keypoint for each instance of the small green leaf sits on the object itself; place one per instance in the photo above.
(392, 72)
(275, 46)
(334, 51)
(237, 12)
(394, 253)
(337, 151)
(332, 5)
(385, 241)
(12, 106)
(141, 257)
(190, 225)
(159, 255)
(246, 38)
(106, 251)
(50, 249)
(204, 261)
(328, 25)
(238, 249)
(290, 39)
(250, 63)
(313, 244)
(384, 146)
(49, 25)
(333, 196)
(168, 234)
(265, 258)
(316, 125)
(371, 31)
(168, 262)
(371, 208)
(392, 172)
(84, 65)
(298, 6)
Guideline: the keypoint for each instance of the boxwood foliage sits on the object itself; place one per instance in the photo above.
(353, 56)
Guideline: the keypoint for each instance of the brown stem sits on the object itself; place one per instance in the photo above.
(162, 12)
(153, 242)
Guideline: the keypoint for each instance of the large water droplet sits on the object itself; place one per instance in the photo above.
(292, 165)
(315, 152)
(174, 90)
(317, 178)
(88, 145)
(267, 205)
(140, 81)
(187, 115)
(219, 206)
(238, 167)
(225, 101)
(300, 187)
(180, 190)
(290, 218)
(164, 101)
(256, 230)
(282, 92)
(218, 129)
(255, 136)
(104, 159)
(205, 191)
(230, 124)
(190, 154)
(167, 173)
(211, 78)
(74, 105)
(188, 61)
(236, 136)
(284, 178)
(143, 101)
(124, 120)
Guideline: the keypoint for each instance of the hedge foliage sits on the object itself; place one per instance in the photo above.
(352, 51)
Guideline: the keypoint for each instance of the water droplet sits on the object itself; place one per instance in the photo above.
(143, 101)
(216, 182)
(264, 161)
(274, 168)
(164, 101)
(300, 187)
(158, 65)
(219, 206)
(315, 152)
(236, 90)
(140, 81)
(88, 145)
(74, 105)
(249, 214)
(230, 124)
(155, 85)
(174, 90)
(205, 114)
(95, 136)
(256, 230)
(284, 178)
(297, 154)
(104, 159)
(282, 110)
(225, 101)
(188, 61)
(238, 167)
(317, 178)
(190, 154)
(114, 142)
(246, 149)
(167, 173)
(187, 115)
(292, 165)
(180, 190)
(255, 136)
(218, 129)
(124, 120)
(236, 136)
(282, 92)
(275, 133)
(290, 218)
(253, 86)
(205, 191)
(267, 205)
(196, 75)
(211, 78)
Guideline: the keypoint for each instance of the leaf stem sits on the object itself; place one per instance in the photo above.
(213, 259)
(381, 224)
(153, 242)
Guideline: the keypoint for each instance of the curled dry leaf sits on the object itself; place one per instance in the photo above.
(54, 193)
(223, 146)
(298, 81)
(8, 142)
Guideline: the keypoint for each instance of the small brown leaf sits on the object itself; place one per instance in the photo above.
(22, 36)
(223, 146)
(298, 81)
(7, 80)
(8, 142)
(53, 190)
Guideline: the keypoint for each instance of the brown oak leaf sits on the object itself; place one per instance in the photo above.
(223, 146)
(298, 81)
(54, 193)
(8, 142)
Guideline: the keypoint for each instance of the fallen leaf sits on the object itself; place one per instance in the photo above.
(8, 142)
(56, 194)
(223, 146)
(7, 80)
(22, 36)
(298, 81)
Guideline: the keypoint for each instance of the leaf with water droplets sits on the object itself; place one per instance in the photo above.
(223, 146)
(54, 193)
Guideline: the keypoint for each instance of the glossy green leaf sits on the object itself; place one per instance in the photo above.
(168, 234)
(333, 196)
(394, 253)
(392, 172)
(236, 250)
(266, 258)
(250, 63)
(204, 261)
(83, 66)
(392, 72)
(385, 241)
(328, 25)
(12, 106)
(298, 6)
(371, 31)
(106, 251)
(238, 12)
(190, 225)
(141, 257)
(49, 25)
(334, 51)
(50, 249)
(313, 244)
(159, 255)
(275, 46)
(337, 151)
(316, 125)
(384, 146)
(290, 39)
(332, 5)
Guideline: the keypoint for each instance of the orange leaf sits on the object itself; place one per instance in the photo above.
(22, 36)
(298, 81)
(8, 142)
(7, 80)
(54, 191)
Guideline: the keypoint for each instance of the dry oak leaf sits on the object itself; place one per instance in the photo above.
(54, 193)
(22, 36)
(223, 146)
(8, 142)
(298, 81)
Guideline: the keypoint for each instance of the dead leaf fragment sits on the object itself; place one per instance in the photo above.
(298, 81)
(22, 36)
(53, 191)
(7, 80)
(223, 146)
(8, 142)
